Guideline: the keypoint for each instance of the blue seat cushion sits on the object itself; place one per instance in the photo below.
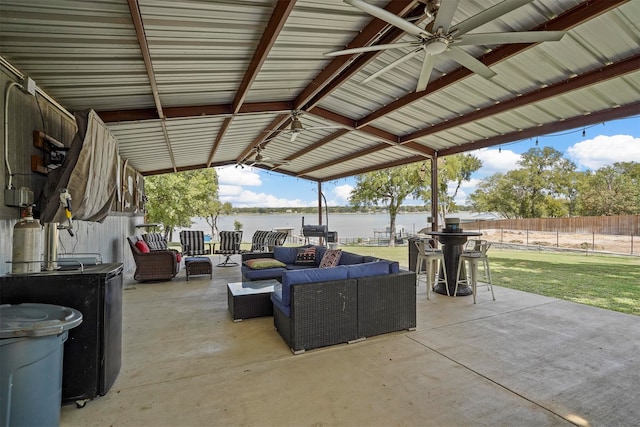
(276, 299)
(298, 267)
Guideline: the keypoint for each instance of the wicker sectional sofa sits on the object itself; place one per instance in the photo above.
(362, 297)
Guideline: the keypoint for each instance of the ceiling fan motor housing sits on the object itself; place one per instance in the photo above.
(436, 45)
(296, 125)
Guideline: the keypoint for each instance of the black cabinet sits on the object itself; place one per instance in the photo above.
(93, 350)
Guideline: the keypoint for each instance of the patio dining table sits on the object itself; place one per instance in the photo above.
(452, 246)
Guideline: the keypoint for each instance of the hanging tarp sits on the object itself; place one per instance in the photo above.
(89, 173)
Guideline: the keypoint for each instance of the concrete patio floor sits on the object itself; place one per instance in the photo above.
(522, 360)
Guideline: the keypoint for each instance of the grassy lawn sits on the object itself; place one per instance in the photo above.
(609, 282)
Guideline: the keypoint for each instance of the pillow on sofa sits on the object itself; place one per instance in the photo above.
(331, 258)
(142, 247)
(306, 256)
(262, 263)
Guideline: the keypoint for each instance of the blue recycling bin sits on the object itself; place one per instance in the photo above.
(32, 340)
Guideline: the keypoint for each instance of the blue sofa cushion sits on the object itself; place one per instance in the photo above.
(309, 275)
(285, 254)
(320, 250)
(394, 266)
(347, 258)
(367, 269)
(267, 273)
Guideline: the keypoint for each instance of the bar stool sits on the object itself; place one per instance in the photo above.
(434, 261)
(474, 258)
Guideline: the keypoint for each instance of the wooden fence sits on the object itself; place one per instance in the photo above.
(623, 225)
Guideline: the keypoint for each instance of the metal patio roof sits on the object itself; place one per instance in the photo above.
(192, 84)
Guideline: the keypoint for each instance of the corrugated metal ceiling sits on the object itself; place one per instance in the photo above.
(193, 84)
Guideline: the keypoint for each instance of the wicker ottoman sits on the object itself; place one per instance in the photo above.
(198, 266)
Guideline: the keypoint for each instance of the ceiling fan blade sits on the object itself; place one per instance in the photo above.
(504, 38)
(323, 127)
(392, 65)
(445, 16)
(468, 61)
(294, 135)
(387, 16)
(372, 48)
(427, 68)
(486, 16)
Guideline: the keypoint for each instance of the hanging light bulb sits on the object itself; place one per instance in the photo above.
(584, 133)
(499, 149)
(536, 141)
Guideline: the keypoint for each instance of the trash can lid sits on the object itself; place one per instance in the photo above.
(36, 320)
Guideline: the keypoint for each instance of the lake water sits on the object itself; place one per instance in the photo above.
(348, 226)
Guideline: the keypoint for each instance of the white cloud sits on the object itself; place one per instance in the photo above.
(342, 193)
(496, 160)
(241, 198)
(604, 151)
(238, 176)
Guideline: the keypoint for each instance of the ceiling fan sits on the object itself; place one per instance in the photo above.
(444, 39)
(260, 159)
(297, 127)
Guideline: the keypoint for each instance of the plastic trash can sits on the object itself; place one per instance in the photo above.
(31, 350)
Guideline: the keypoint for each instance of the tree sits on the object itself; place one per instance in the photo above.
(546, 174)
(452, 172)
(206, 203)
(166, 204)
(392, 186)
(611, 190)
(175, 198)
(389, 187)
(543, 185)
(496, 194)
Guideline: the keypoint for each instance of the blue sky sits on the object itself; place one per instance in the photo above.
(602, 145)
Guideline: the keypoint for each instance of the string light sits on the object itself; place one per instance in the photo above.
(536, 141)
(584, 132)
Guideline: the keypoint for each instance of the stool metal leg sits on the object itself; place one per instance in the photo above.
(441, 270)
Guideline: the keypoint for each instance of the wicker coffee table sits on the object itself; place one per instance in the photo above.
(250, 299)
(198, 266)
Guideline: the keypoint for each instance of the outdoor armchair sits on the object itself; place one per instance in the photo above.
(259, 241)
(153, 265)
(229, 245)
(193, 243)
(276, 238)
